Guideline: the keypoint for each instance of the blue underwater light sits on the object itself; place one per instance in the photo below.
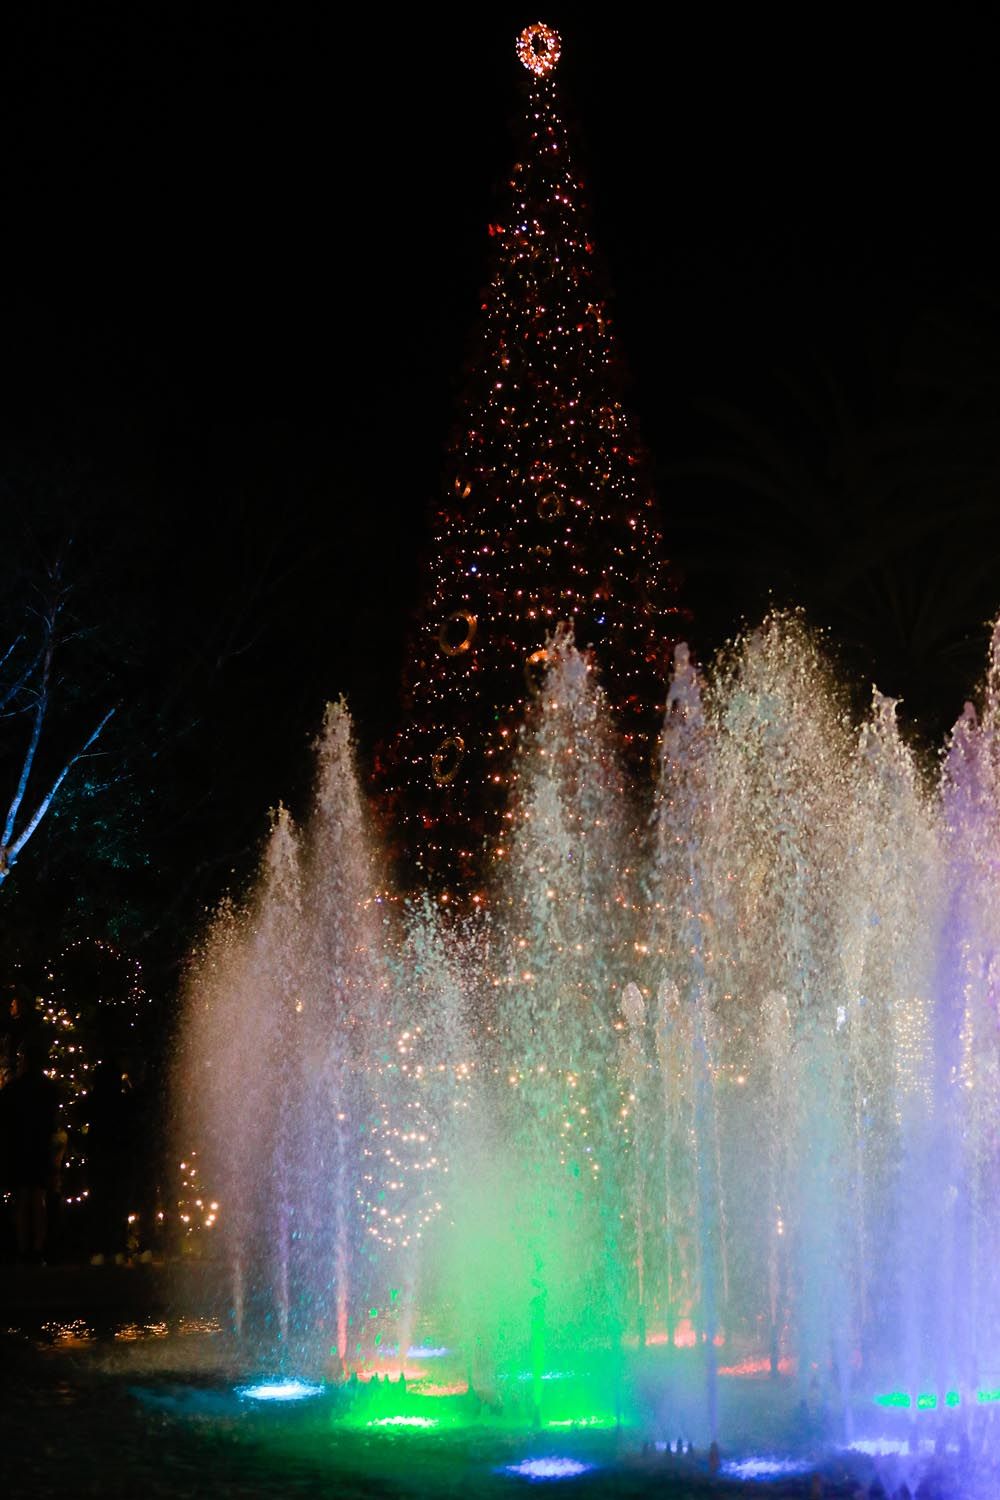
(548, 1468)
(884, 1447)
(279, 1390)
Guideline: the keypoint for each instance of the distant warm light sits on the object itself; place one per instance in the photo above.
(427, 1351)
(894, 1398)
(279, 1390)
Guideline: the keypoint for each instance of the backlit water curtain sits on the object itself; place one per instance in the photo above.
(713, 1081)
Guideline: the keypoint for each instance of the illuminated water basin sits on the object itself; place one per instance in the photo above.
(388, 1418)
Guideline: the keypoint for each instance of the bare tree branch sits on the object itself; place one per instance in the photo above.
(9, 653)
(19, 684)
(9, 853)
(31, 691)
(41, 706)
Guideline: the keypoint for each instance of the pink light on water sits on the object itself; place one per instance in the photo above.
(758, 1367)
(685, 1337)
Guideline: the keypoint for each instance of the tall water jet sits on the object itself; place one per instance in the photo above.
(891, 901)
(636, 1111)
(685, 1024)
(566, 895)
(440, 982)
(778, 1094)
(967, 1046)
(781, 844)
(290, 1002)
(231, 1041)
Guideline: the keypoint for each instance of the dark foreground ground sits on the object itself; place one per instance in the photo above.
(108, 1389)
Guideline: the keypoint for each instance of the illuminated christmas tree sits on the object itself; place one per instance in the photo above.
(548, 516)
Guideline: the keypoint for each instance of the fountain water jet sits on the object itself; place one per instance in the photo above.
(688, 1086)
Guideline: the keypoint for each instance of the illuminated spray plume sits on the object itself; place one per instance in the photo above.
(718, 1073)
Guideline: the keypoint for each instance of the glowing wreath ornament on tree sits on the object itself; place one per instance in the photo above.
(458, 632)
(551, 506)
(535, 668)
(539, 48)
(447, 758)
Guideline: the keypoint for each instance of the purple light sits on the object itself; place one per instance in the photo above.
(765, 1468)
(886, 1447)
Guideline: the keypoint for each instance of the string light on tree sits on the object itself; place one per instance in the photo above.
(93, 994)
(195, 1209)
(399, 1191)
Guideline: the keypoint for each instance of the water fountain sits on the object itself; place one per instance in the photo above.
(693, 1130)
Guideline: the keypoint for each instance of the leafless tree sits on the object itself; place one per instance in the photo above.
(28, 687)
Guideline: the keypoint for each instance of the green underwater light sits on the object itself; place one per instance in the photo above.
(928, 1401)
(582, 1422)
(401, 1411)
(403, 1421)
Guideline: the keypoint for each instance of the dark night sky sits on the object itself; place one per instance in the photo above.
(240, 269)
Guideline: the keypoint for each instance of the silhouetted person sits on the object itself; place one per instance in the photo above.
(29, 1109)
(109, 1150)
(13, 1029)
(140, 1129)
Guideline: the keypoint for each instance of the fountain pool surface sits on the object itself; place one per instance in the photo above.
(159, 1409)
(686, 1128)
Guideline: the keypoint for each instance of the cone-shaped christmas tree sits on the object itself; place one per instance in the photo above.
(548, 516)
